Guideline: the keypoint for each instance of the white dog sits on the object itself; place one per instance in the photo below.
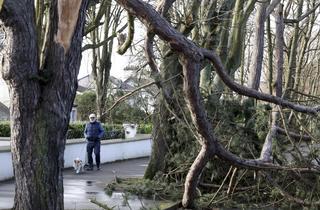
(78, 165)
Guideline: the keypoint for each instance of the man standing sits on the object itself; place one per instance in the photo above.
(93, 133)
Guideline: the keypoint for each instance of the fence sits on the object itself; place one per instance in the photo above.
(108, 135)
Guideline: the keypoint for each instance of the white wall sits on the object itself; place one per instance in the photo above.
(111, 150)
(4, 93)
(7, 170)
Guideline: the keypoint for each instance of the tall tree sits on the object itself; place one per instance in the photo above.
(293, 51)
(101, 48)
(42, 87)
(191, 57)
(230, 50)
(105, 25)
(262, 14)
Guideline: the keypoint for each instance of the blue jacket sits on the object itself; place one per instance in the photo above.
(93, 131)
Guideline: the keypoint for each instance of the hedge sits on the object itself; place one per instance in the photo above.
(4, 129)
(145, 129)
(74, 126)
(80, 126)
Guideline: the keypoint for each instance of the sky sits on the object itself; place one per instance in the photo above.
(118, 63)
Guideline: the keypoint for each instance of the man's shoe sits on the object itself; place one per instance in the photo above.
(89, 169)
(98, 168)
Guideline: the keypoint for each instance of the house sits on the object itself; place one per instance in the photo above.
(4, 112)
(87, 83)
(133, 81)
(136, 79)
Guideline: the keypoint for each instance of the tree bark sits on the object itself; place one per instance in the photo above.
(161, 124)
(279, 50)
(289, 82)
(41, 99)
(230, 53)
(256, 67)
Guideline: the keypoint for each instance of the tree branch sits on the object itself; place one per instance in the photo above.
(215, 186)
(242, 90)
(93, 46)
(100, 204)
(285, 194)
(293, 135)
(162, 9)
(129, 94)
(122, 49)
(302, 17)
(271, 7)
(96, 22)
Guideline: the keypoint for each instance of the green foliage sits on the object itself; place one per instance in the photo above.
(86, 104)
(112, 185)
(126, 110)
(242, 129)
(145, 128)
(77, 126)
(149, 189)
(80, 126)
(4, 129)
(73, 126)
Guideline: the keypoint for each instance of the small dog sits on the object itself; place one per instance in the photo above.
(78, 165)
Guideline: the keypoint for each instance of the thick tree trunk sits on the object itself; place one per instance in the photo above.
(161, 125)
(40, 100)
(207, 138)
(231, 53)
(160, 143)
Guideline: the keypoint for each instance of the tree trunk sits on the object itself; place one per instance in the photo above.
(101, 71)
(161, 124)
(303, 48)
(289, 82)
(231, 53)
(41, 99)
(270, 58)
(279, 50)
(256, 67)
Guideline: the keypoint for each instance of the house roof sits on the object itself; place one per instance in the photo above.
(4, 107)
(4, 112)
(87, 83)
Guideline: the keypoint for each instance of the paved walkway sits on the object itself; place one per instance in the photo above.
(79, 188)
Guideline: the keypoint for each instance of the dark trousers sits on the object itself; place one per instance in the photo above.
(93, 146)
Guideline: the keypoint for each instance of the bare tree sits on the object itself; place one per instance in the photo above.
(191, 57)
(102, 41)
(264, 10)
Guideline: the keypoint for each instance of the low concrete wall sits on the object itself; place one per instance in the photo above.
(111, 150)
